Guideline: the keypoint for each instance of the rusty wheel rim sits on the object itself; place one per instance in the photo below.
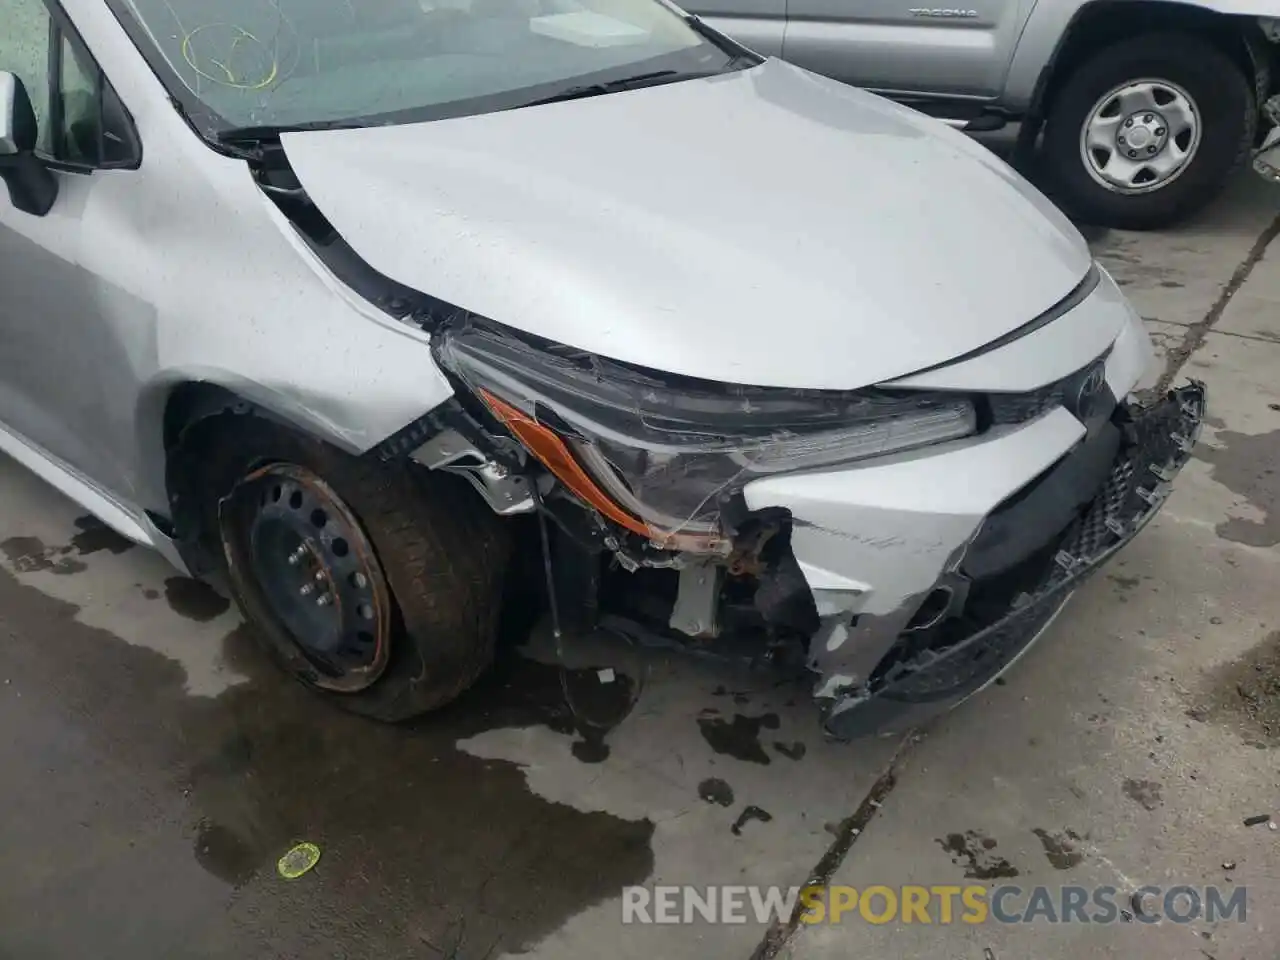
(303, 555)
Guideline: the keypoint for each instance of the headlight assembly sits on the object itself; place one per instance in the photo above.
(660, 455)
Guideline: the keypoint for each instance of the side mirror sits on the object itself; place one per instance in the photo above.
(32, 186)
(17, 117)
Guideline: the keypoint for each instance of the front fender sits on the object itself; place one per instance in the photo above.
(321, 400)
(1049, 26)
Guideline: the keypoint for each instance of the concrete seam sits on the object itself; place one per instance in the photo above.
(1247, 336)
(851, 829)
(1196, 332)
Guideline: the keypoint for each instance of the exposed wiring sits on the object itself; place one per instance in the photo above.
(582, 723)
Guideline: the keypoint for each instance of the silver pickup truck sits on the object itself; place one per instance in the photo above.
(1141, 109)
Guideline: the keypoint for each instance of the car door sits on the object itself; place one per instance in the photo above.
(758, 24)
(915, 48)
(63, 372)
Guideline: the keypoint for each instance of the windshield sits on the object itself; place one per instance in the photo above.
(291, 63)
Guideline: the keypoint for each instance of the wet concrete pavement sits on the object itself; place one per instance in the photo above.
(1133, 743)
(160, 815)
(155, 767)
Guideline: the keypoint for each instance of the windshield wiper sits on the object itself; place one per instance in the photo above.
(613, 86)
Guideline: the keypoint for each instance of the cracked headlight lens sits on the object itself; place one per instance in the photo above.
(665, 451)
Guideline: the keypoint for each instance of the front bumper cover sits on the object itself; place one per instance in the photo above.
(921, 680)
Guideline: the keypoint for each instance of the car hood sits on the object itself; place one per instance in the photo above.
(767, 227)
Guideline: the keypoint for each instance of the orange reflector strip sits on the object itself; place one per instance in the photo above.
(551, 450)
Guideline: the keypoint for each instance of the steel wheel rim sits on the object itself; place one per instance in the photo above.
(316, 575)
(1140, 136)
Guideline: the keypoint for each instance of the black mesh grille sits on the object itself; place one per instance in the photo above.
(1158, 440)
(1009, 408)
(1021, 407)
(1093, 535)
(1152, 440)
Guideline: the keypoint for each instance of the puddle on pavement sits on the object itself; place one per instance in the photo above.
(194, 599)
(750, 812)
(795, 750)
(30, 555)
(1060, 848)
(225, 854)
(1129, 267)
(33, 555)
(715, 790)
(1245, 694)
(738, 738)
(94, 536)
(422, 843)
(976, 853)
(1246, 464)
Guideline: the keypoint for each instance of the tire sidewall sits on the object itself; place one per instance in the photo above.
(1223, 102)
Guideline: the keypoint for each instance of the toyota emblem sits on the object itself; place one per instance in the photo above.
(1090, 392)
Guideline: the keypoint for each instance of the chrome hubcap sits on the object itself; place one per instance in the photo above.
(1140, 136)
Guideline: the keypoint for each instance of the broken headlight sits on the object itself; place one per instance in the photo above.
(659, 453)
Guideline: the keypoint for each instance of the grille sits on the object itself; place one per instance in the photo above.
(1151, 441)
(1093, 535)
(975, 665)
(1158, 440)
(1009, 408)
(1021, 407)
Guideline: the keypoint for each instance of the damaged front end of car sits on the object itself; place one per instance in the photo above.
(654, 486)
(1010, 581)
(899, 544)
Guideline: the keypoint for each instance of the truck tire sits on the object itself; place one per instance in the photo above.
(1148, 130)
(411, 565)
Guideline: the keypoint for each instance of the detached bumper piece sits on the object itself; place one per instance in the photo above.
(1266, 158)
(1006, 611)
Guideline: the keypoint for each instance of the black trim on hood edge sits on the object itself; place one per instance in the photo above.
(1077, 296)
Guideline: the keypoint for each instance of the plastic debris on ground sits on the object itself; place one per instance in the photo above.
(298, 860)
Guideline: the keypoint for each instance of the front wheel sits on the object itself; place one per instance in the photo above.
(373, 584)
(1148, 130)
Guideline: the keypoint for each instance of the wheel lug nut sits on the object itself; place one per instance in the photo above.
(1133, 153)
(1151, 149)
(360, 580)
(1148, 118)
(1120, 140)
(322, 600)
(296, 557)
(1159, 131)
(319, 578)
(307, 589)
(1129, 122)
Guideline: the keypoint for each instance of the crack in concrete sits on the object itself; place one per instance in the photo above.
(1246, 336)
(1198, 331)
(851, 828)
(780, 933)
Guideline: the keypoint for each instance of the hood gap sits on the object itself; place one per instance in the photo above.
(276, 178)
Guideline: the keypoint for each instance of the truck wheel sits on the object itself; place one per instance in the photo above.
(1148, 130)
(375, 584)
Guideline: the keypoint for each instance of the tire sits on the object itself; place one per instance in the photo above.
(440, 552)
(1227, 116)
